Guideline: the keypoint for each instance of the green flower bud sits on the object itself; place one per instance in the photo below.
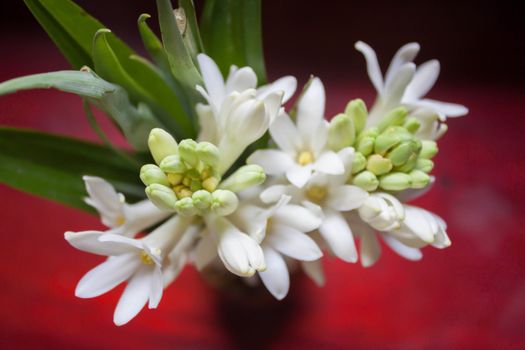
(419, 179)
(341, 132)
(395, 117)
(151, 174)
(208, 153)
(366, 145)
(201, 199)
(224, 202)
(188, 152)
(356, 109)
(244, 177)
(412, 125)
(210, 184)
(161, 144)
(185, 207)
(196, 185)
(425, 165)
(366, 180)
(378, 165)
(428, 149)
(395, 182)
(173, 164)
(402, 153)
(358, 163)
(409, 164)
(162, 196)
(390, 138)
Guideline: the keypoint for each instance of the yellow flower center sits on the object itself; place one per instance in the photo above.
(121, 220)
(145, 258)
(305, 157)
(316, 193)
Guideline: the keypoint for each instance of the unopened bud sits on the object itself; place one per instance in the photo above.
(341, 132)
(188, 152)
(246, 176)
(428, 149)
(162, 196)
(395, 182)
(161, 144)
(224, 202)
(425, 165)
(151, 174)
(419, 179)
(366, 180)
(403, 152)
(358, 162)
(356, 109)
(185, 207)
(210, 184)
(378, 165)
(395, 117)
(412, 125)
(173, 164)
(201, 199)
(208, 153)
(390, 138)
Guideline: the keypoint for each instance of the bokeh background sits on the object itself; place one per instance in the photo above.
(469, 296)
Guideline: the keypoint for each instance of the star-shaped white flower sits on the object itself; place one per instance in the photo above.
(122, 218)
(303, 145)
(404, 84)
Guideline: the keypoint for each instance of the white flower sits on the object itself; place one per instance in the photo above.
(328, 196)
(122, 218)
(303, 146)
(402, 227)
(403, 84)
(281, 230)
(237, 113)
(138, 261)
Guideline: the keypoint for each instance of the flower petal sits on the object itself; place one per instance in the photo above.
(274, 193)
(395, 88)
(285, 134)
(402, 250)
(107, 276)
(287, 84)
(205, 252)
(310, 109)
(405, 54)
(240, 80)
(448, 109)
(275, 277)
(156, 288)
(346, 197)
(293, 243)
(273, 162)
(297, 217)
(299, 175)
(372, 66)
(425, 77)
(314, 270)
(338, 236)
(208, 124)
(134, 296)
(213, 80)
(370, 249)
(88, 241)
(329, 163)
(104, 198)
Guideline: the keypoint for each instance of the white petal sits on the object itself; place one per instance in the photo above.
(273, 162)
(276, 277)
(272, 104)
(274, 193)
(299, 175)
(418, 224)
(134, 296)
(293, 243)
(370, 249)
(285, 134)
(317, 141)
(241, 80)
(338, 236)
(156, 288)
(346, 197)
(314, 270)
(374, 72)
(395, 88)
(402, 250)
(448, 109)
(425, 77)
(112, 238)
(104, 198)
(329, 163)
(405, 54)
(107, 276)
(88, 241)
(297, 217)
(205, 252)
(207, 123)
(310, 109)
(287, 84)
(213, 80)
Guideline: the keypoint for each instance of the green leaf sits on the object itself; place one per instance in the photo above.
(231, 32)
(135, 122)
(52, 166)
(190, 33)
(72, 29)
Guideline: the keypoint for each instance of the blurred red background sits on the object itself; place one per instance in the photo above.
(469, 296)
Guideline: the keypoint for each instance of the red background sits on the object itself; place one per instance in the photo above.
(469, 296)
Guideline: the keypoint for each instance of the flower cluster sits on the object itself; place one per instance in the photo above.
(322, 187)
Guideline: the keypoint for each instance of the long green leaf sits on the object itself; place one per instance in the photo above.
(191, 34)
(135, 122)
(52, 166)
(72, 29)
